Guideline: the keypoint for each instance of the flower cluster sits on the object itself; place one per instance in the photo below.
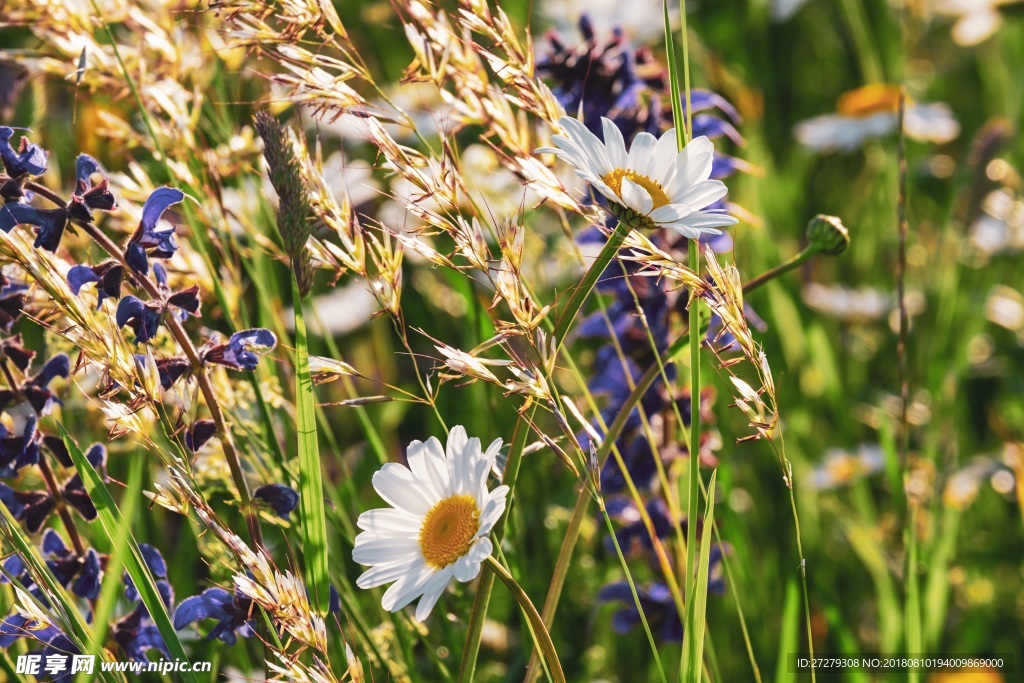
(28, 397)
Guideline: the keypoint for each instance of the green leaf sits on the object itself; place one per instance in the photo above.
(111, 587)
(311, 496)
(113, 523)
(696, 606)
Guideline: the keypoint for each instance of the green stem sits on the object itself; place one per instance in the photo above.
(470, 652)
(583, 289)
(694, 478)
(540, 632)
(572, 532)
(780, 269)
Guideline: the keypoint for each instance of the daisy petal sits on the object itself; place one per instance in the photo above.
(635, 197)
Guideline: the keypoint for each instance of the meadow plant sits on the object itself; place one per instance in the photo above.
(279, 261)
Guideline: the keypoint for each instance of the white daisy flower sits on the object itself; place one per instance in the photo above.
(871, 112)
(651, 183)
(437, 527)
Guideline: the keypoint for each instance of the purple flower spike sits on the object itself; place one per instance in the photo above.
(143, 317)
(281, 499)
(109, 276)
(28, 160)
(237, 353)
(50, 222)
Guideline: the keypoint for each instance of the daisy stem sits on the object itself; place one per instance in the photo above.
(540, 632)
(694, 469)
(467, 668)
(583, 289)
(572, 532)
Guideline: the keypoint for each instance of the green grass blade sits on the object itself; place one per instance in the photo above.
(111, 586)
(788, 632)
(696, 606)
(73, 625)
(113, 522)
(311, 496)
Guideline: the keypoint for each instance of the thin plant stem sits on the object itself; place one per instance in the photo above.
(632, 589)
(579, 512)
(540, 632)
(583, 289)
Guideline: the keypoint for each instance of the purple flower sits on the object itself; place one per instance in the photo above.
(37, 389)
(50, 223)
(606, 79)
(108, 275)
(658, 606)
(158, 568)
(30, 159)
(281, 499)
(143, 316)
(199, 433)
(74, 492)
(632, 535)
(232, 611)
(137, 635)
(171, 370)
(150, 239)
(13, 349)
(89, 197)
(237, 353)
(83, 573)
(12, 304)
(31, 507)
(18, 451)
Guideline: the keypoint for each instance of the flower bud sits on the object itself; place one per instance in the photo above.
(828, 235)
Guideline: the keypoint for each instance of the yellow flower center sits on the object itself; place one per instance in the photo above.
(448, 530)
(653, 187)
(869, 100)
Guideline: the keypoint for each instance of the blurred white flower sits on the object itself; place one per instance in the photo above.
(870, 112)
(976, 20)
(841, 468)
(1000, 226)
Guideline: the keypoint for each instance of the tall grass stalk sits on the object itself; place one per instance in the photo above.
(311, 498)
